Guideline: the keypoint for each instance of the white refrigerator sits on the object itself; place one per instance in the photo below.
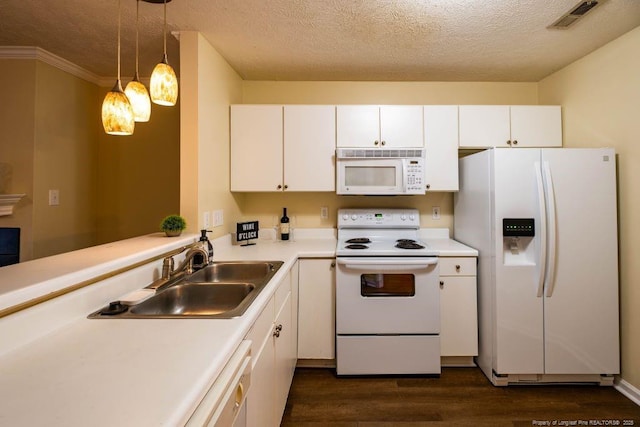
(545, 224)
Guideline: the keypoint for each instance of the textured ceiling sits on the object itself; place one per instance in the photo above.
(394, 40)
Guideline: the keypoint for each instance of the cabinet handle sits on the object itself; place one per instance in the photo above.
(333, 265)
(428, 186)
(509, 142)
(376, 142)
(458, 268)
(441, 283)
(515, 142)
(276, 333)
(286, 186)
(383, 143)
(279, 187)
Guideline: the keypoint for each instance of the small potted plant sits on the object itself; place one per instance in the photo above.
(173, 225)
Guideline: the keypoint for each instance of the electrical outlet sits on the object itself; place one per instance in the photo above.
(324, 212)
(218, 218)
(207, 220)
(436, 212)
(54, 197)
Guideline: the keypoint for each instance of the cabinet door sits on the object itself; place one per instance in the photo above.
(316, 309)
(261, 399)
(441, 147)
(358, 126)
(458, 316)
(285, 356)
(484, 126)
(309, 148)
(401, 126)
(536, 126)
(256, 147)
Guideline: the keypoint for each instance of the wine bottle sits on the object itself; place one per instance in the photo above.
(284, 225)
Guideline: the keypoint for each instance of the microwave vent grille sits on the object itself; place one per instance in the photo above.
(379, 153)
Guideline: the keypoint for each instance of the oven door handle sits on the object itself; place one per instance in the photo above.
(389, 264)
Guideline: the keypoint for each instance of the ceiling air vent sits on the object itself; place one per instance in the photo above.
(577, 12)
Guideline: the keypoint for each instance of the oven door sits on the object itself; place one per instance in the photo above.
(387, 295)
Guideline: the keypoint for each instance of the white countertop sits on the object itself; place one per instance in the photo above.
(142, 372)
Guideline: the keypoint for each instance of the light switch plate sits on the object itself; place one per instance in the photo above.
(54, 197)
(218, 218)
(207, 219)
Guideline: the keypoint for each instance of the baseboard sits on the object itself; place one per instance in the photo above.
(628, 389)
(316, 363)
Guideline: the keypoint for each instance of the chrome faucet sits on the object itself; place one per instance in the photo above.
(169, 273)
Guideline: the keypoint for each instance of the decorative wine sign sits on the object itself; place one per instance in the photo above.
(246, 231)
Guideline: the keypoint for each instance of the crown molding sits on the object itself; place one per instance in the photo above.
(32, 52)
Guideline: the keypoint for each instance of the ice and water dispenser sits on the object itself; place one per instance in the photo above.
(517, 236)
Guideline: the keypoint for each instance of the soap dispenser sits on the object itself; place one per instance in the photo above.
(204, 238)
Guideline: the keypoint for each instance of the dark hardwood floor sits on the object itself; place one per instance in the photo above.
(460, 396)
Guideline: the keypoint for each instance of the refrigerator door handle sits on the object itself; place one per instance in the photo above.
(551, 261)
(543, 230)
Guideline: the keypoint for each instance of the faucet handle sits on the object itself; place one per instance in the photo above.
(167, 267)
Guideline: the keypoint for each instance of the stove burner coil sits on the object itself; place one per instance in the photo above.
(359, 240)
(356, 246)
(409, 245)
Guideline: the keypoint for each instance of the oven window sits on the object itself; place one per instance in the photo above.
(387, 285)
(363, 176)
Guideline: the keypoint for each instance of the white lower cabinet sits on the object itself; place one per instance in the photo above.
(316, 309)
(274, 357)
(458, 307)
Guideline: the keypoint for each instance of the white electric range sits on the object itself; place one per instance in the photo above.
(387, 295)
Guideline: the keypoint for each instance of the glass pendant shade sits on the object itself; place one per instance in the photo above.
(164, 84)
(117, 114)
(139, 99)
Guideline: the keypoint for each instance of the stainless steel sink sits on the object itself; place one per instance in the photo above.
(196, 300)
(235, 271)
(223, 289)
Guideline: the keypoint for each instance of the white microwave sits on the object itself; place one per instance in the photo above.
(380, 171)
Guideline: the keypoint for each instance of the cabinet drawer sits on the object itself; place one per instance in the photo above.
(457, 266)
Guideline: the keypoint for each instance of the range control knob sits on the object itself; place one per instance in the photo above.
(345, 217)
(354, 217)
(412, 217)
(403, 217)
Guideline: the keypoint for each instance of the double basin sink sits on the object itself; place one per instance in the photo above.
(223, 289)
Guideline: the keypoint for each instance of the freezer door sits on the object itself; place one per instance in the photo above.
(581, 297)
(519, 335)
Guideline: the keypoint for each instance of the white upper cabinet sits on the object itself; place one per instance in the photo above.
(309, 147)
(536, 126)
(484, 126)
(256, 148)
(384, 126)
(276, 148)
(441, 147)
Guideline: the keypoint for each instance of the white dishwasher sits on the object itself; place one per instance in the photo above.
(223, 405)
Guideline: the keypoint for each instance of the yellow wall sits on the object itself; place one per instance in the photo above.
(65, 158)
(138, 175)
(304, 208)
(111, 188)
(600, 97)
(17, 145)
(209, 86)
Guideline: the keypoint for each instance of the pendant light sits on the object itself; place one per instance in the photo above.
(164, 84)
(117, 114)
(135, 90)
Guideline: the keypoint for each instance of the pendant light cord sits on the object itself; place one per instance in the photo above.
(118, 40)
(137, 15)
(164, 31)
